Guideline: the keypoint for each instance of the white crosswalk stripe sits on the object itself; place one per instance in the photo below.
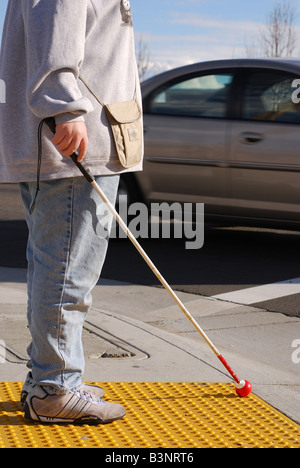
(262, 293)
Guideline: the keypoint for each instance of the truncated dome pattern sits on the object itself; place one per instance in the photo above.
(159, 415)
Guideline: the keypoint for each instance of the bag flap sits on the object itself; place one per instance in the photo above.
(125, 112)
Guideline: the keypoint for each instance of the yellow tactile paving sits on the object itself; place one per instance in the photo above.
(159, 415)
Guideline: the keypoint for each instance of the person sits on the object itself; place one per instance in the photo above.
(46, 46)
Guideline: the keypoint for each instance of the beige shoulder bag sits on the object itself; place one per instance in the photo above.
(125, 121)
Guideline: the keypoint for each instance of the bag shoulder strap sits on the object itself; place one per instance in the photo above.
(96, 96)
(91, 90)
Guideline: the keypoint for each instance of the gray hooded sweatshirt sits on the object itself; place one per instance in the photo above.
(46, 44)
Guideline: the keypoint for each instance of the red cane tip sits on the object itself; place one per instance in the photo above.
(244, 388)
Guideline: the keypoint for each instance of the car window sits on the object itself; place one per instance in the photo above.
(201, 96)
(268, 97)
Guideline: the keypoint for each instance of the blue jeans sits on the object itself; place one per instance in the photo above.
(65, 256)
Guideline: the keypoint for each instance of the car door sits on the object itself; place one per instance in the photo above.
(185, 140)
(265, 147)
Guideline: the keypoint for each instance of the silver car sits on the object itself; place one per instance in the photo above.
(226, 134)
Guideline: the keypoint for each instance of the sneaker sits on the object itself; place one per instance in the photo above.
(96, 392)
(75, 407)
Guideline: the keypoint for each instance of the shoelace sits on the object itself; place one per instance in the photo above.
(83, 395)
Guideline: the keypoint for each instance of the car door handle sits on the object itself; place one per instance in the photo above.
(251, 138)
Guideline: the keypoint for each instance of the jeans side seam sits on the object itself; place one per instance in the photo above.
(65, 273)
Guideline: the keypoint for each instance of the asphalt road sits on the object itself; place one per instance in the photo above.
(231, 259)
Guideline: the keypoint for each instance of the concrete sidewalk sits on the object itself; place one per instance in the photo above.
(137, 334)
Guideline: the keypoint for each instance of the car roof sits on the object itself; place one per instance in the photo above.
(287, 64)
